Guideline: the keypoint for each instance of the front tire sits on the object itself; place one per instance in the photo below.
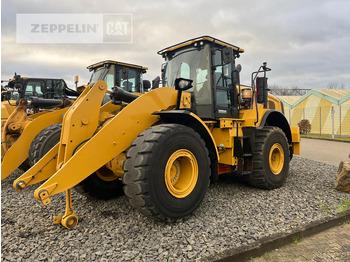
(43, 143)
(167, 171)
(270, 159)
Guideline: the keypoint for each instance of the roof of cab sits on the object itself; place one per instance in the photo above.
(201, 38)
(117, 63)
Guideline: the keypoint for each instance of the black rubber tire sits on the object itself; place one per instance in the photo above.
(262, 176)
(43, 142)
(95, 187)
(144, 171)
(25, 165)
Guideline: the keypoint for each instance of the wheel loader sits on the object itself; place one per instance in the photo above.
(30, 104)
(19, 88)
(167, 145)
(28, 137)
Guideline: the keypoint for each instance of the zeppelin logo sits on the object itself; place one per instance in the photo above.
(64, 28)
(74, 28)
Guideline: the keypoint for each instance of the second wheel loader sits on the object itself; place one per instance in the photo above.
(168, 144)
(26, 137)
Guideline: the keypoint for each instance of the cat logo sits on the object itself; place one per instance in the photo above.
(117, 28)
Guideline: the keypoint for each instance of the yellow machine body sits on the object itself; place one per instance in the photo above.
(95, 139)
(18, 129)
(18, 133)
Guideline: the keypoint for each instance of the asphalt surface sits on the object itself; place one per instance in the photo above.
(330, 245)
(329, 152)
(333, 244)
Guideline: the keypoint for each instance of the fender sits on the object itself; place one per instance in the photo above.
(276, 118)
(191, 120)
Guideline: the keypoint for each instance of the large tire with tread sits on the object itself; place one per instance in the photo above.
(166, 172)
(95, 187)
(270, 159)
(25, 165)
(43, 142)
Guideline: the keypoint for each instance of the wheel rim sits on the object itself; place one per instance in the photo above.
(276, 159)
(181, 173)
(106, 175)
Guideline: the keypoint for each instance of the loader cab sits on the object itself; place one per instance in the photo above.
(123, 75)
(23, 87)
(210, 64)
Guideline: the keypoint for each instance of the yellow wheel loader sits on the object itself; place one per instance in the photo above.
(168, 144)
(27, 136)
(30, 104)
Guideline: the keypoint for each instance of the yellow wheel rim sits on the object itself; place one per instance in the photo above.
(276, 159)
(181, 173)
(106, 175)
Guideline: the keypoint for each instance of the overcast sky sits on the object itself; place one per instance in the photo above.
(306, 43)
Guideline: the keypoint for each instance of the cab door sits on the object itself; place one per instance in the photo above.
(223, 86)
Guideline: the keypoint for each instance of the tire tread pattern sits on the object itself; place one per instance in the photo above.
(136, 167)
(258, 178)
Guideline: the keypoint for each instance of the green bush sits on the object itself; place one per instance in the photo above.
(304, 126)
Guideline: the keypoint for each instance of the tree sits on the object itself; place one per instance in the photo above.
(304, 126)
(283, 91)
(335, 85)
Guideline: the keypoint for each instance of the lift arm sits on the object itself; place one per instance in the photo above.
(113, 138)
(19, 151)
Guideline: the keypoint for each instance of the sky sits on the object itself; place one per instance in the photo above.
(305, 43)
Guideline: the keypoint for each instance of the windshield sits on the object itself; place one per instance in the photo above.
(193, 64)
(129, 79)
(106, 74)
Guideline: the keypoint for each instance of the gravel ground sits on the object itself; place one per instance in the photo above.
(231, 215)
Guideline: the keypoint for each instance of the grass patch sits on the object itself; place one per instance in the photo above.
(345, 205)
(295, 238)
(325, 209)
(326, 137)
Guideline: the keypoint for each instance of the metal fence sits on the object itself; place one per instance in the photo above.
(325, 120)
(288, 91)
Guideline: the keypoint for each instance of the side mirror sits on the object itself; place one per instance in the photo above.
(227, 54)
(238, 69)
(125, 73)
(155, 82)
(261, 86)
(182, 84)
(146, 85)
(163, 70)
(17, 77)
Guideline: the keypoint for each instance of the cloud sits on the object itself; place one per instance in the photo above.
(305, 42)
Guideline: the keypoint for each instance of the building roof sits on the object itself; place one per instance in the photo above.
(199, 39)
(335, 96)
(289, 100)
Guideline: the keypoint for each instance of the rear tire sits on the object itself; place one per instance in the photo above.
(43, 142)
(95, 187)
(270, 159)
(167, 171)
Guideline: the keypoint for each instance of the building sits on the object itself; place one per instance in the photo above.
(326, 109)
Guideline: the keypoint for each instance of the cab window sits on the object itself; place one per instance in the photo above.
(128, 80)
(33, 88)
(223, 81)
(109, 78)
